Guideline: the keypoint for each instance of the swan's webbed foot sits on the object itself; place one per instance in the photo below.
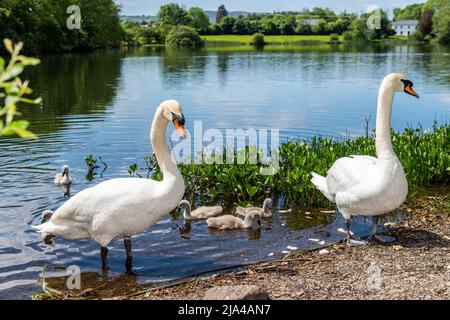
(104, 255)
(128, 262)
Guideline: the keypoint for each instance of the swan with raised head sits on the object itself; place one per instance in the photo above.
(228, 222)
(63, 178)
(365, 185)
(124, 207)
(264, 211)
(200, 213)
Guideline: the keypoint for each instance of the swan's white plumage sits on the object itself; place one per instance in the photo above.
(124, 206)
(264, 211)
(200, 213)
(365, 185)
(228, 222)
(64, 177)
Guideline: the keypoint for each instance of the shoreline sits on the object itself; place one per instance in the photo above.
(415, 266)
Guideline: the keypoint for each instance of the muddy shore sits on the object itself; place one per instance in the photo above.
(415, 266)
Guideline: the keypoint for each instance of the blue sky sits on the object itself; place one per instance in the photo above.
(150, 7)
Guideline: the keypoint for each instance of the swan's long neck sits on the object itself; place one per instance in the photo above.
(383, 142)
(158, 140)
(248, 222)
(187, 212)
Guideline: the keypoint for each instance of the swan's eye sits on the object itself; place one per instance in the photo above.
(179, 118)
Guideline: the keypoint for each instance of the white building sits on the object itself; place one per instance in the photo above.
(405, 27)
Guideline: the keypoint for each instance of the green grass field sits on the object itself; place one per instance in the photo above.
(247, 39)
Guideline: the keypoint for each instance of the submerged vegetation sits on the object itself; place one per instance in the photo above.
(425, 156)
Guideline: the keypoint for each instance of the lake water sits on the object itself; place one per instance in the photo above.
(103, 103)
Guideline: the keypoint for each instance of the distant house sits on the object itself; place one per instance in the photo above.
(311, 22)
(212, 15)
(405, 27)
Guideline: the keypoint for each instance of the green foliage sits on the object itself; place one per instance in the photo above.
(441, 25)
(173, 15)
(183, 36)
(136, 34)
(41, 25)
(227, 24)
(199, 19)
(43, 296)
(334, 38)
(303, 27)
(132, 170)
(92, 164)
(321, 27)
(424, 154)
(358, 29)
(417, 35)
(436, 5)
(258, 40)
(13, 92)
(411, 12)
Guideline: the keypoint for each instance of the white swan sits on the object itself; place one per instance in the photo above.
(264, 211)
(64, 177)
(200, 213)
(126, 206)
(229, 221)
(364, 185)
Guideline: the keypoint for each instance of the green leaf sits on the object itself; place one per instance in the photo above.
(22, 124)
(12, 73)
(27, 61)
(24, 133)
(8, 45)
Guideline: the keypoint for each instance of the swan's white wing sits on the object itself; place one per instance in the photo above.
(116, 195)
(348, 172)
(206, 212)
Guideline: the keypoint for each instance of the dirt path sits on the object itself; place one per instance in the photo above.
(415, 266)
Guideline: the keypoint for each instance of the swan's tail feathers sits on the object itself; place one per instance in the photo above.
(321, 183)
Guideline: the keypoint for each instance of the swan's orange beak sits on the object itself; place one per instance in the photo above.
(179, 127)
(408, 88)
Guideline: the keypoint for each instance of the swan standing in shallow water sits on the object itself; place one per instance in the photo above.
(229, 221)
(264, 211)
(126, 206)
(365, 185)
(200, 213)
(64, 177)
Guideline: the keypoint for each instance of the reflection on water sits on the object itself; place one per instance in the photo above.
(103, 103)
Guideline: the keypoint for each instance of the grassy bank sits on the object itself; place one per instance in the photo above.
(425, 156)
(247, 39)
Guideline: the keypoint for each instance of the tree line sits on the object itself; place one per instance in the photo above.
(41, 24)
(433, 17)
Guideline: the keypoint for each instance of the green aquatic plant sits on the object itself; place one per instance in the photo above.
(92, 164)
(424, 154)
(13, 92)
(132, 170)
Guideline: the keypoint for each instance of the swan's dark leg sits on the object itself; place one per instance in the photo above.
(374, 227)
(347, 226)
(128, 263)
(104, 255)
